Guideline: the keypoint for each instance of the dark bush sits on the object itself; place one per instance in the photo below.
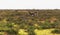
(57, 31)
(30, 30)
(11, 32)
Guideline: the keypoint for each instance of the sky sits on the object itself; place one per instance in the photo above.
(29, 4)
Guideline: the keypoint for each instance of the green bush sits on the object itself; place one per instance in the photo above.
(11, 32)
(31, 30)
(57, 31)
(45, 26)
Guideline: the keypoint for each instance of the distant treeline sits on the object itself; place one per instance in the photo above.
(14, 14)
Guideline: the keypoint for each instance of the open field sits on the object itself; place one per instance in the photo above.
(30, 22)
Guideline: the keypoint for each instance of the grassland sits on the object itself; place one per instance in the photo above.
(45, 32)
(29, 22)
(39, 32)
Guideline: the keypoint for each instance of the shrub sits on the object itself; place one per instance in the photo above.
(57, 31)
(11, 32)
(31, 30)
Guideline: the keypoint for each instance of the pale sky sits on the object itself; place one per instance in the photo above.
(29, 4)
